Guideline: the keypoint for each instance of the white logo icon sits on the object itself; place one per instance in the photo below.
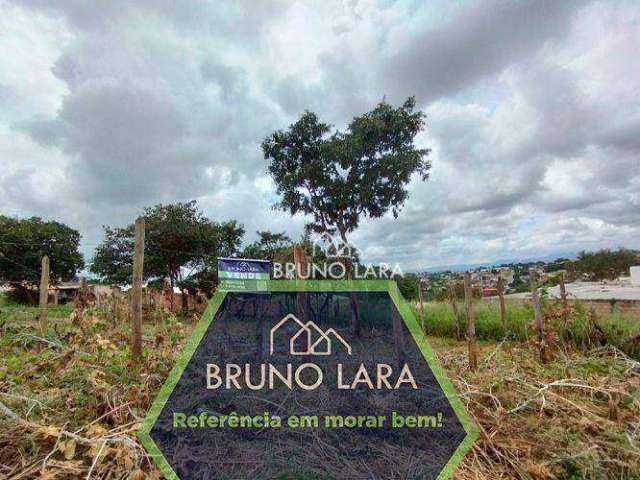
(307, 338)
(332, 246)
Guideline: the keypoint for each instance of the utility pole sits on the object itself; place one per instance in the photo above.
(44, 295)
(136, 291)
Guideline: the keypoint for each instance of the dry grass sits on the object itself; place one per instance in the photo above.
(71, 404)
(577, 417)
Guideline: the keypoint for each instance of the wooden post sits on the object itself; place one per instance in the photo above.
(503, 312)
(44, 295)
(81, 298)
(136, 291)
(563, 300)
(471, 322)
(398, 336)
(456, 313)
(423, 320)
(537, 312)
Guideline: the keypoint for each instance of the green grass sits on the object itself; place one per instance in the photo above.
(26, 313)
(619, 327)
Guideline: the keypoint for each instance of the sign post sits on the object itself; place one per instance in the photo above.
(243, 274)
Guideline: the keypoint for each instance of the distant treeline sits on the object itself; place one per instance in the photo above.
(182, 246)
(605, 264)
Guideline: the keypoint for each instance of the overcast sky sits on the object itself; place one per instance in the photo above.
(533, 114)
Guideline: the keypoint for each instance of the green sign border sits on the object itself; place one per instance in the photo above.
(312, 286)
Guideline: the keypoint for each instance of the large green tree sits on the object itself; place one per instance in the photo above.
(23, 243)
(181, 246)
(338, 178)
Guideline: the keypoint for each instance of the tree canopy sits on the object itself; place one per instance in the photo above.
(340, 177)
(181, 245)
(269, 246)
(606, 263)
(23, 243)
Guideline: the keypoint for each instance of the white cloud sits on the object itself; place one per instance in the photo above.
(533, 114)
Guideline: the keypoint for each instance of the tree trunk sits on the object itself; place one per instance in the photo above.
(136, 292)
(355, 308)
(260, 324)
(171, 294)
(471, 323)
(300, 261)
(503, 312)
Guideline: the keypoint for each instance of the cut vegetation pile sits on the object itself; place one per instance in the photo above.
(70, 403)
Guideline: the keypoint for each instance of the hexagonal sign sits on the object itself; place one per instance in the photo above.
(308, 380)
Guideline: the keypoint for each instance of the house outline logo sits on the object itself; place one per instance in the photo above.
(332, 246)
(323, 345)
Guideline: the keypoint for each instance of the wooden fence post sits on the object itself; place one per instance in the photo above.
(44, 295)
(136, 291)
(81, 297)
(537, 312)
(563, 300)
(503, 311)
(456, 313)
(423, 320)
(471, 322)
(398, 336)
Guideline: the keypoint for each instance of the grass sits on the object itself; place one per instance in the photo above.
(439, 321)
(576, 417)
(17, 312)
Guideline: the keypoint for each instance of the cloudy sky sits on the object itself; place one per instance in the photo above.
(533, 114)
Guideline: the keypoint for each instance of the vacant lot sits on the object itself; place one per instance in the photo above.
(72, 402)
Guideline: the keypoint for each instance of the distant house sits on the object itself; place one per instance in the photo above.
(64, 292)
(489, 292)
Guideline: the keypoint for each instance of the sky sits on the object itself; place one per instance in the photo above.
(533, 115)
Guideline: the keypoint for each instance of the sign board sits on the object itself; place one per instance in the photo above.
(280, 385)
(243, 273)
